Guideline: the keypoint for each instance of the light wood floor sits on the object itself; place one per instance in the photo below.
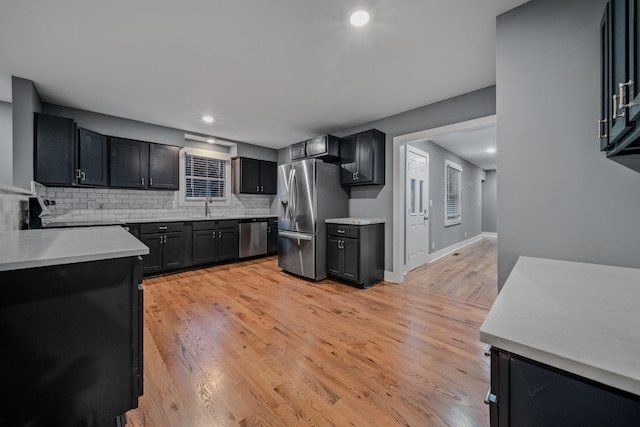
(248, 345)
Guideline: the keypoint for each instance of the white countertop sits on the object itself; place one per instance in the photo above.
(195, 218)
(581, 318)
(355, 221)
(45, 247)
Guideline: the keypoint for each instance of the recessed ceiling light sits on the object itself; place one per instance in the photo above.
(211, 140)
(359, 18)
(207, 119)
(491, 150)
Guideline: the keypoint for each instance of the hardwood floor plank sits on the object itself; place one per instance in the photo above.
(245, 344)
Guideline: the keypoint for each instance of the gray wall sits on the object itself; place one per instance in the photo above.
(6, 144)
(25, 101)
(440, 236)
(126, 128)
(377, 201)
(559, 197)
(490, 202)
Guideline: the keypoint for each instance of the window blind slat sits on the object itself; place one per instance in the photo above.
(204, 177)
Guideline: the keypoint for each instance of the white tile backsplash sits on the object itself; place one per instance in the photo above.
(72, 204)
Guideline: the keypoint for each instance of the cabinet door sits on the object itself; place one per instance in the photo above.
(204, 246)
(334, 256)
(152, 262)
(619, 125)
(173, 251)
(54, 150)
(228, 244)
(634, 59)
(605, 83)
(348, 154)
(163, 167)
(272, 237)
(351, 259)
(268, 177)
(92, 158)
(129, 163)
(364, 157)
(249, 176)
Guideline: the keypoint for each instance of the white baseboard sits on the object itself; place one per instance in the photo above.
(451, 249)
(390, 276)
(488, 235)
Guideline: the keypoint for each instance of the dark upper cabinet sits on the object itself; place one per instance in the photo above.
(252, 176)
(143, 165)
(129, 163)
(92, 159)
(54, 150)
(324, 147)
(163, 167)
(363, 158)
(620, 85)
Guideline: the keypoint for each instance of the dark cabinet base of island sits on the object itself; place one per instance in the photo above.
(355, 254)
(526, 393)
(71, 343)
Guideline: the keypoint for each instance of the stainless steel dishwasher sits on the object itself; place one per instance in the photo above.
(253, 237)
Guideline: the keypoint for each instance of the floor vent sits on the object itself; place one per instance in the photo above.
(456, 254)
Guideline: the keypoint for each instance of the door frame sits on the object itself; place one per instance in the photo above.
(399, 176)
(406, 148)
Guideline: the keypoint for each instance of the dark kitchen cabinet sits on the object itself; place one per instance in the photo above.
(272, 235)
(143, 165)
(92, 159)
(355, 253)
(215, 241)
(527, 393)
(620, 92)
(72, 343)
(252, 176)
(163, 167)
(54, 150)
(363, 159)
(166, 246)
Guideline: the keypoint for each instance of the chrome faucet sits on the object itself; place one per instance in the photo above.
(206, 206)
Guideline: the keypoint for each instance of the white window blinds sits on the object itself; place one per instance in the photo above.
(453, 193)
(204, 178)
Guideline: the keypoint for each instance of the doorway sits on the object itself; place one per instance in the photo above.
(416, 207)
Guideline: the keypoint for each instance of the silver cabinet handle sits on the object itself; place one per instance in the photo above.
(78, 173)
(615, 108)
(219, 234)
(82, 176)
(165, 239)
(487, 350)
(490, 397)
(142, 182)
(257, 188)
(600, 123)
(621, 94)
(162, 227)
(341, 231)
(262, 188)
(353, 176)
(150, 182)
(214, 234)
(161, 239)
(357, 175)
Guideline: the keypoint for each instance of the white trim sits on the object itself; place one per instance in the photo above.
(419, 152)
(452, 165)
(450, 249)
(399, 177)
(210, 154)
(489, 235)
(16, 190)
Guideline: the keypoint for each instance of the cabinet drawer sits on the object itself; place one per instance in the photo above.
(228, 223)
(204, 225)
(161, 227)
(343, 230)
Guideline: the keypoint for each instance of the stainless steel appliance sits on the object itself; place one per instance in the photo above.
(253, 237)
(309, 192)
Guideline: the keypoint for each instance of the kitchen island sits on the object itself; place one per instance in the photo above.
(71, 326)
(566, 345)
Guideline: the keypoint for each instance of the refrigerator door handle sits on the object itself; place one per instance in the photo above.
(294, 235)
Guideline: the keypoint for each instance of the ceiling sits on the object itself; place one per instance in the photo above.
(271, 73)
(472, 145)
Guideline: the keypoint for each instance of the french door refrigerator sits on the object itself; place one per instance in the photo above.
(309, 192)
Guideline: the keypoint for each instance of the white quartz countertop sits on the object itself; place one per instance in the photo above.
(196, 218)
(355, 221)
(581, 318)
(45, 247)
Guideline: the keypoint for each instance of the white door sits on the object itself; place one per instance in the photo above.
(416, 208)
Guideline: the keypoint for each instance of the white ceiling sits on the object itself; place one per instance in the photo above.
(472, 145)
(271, 72)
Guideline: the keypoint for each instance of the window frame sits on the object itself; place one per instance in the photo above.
(182, 197)
(448, 164)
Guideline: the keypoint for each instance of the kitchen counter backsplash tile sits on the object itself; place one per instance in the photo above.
(79, 204)
(10, 210)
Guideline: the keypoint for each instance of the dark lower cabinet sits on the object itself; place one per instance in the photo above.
(72, 343)
(526, 393)
(272, 236)
(166, 246)
(215, 241)
(152, 262)
(355, 253)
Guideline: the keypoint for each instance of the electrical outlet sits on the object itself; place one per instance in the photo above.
(433, 245)
(430, 202)
(91, 204)
(465, 234)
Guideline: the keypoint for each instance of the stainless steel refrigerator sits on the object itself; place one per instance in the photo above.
(309, 192)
